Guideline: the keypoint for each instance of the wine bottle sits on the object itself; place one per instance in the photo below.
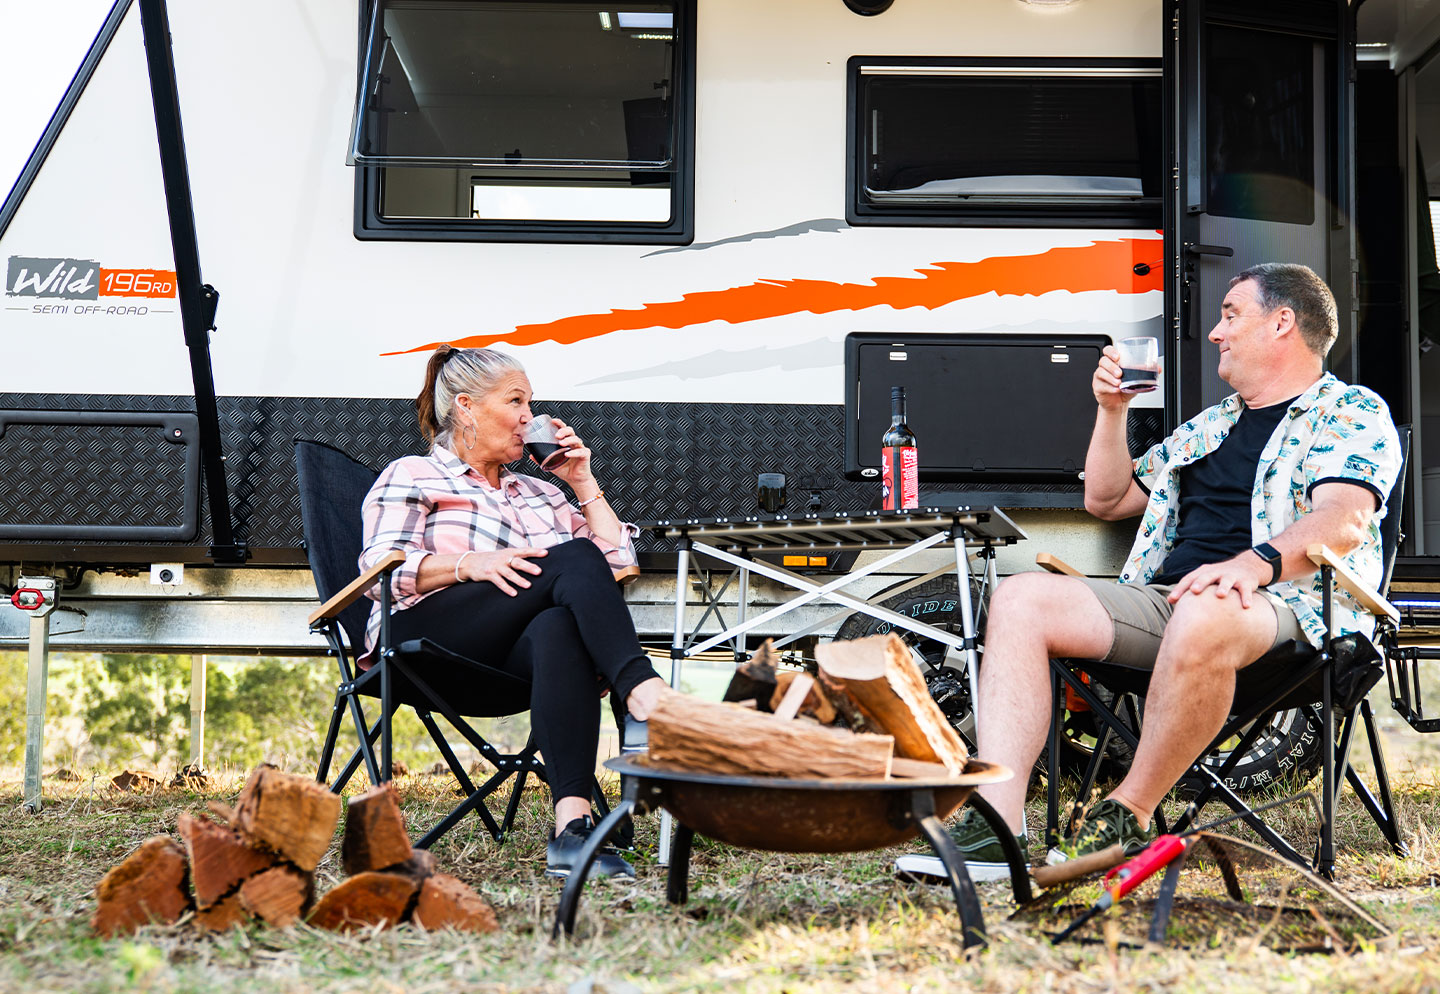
(899, 461)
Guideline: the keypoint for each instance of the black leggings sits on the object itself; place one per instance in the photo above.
(564, 633)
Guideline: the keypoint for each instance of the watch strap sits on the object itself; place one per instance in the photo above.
(1271, 555)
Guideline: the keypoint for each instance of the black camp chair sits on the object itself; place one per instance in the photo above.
(1328, 682)
(332, 487)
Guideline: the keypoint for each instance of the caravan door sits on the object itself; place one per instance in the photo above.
(1258, 102)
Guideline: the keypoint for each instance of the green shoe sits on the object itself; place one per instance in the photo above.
(1102, 826)
(977, 842)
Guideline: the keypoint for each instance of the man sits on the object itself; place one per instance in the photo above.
(1218, 573)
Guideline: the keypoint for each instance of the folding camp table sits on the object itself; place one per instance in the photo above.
(739, 541)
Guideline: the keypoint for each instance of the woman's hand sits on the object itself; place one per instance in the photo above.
(576, 468)
(503, 567)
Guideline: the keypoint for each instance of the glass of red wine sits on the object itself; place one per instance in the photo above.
(1139, 364)
(540, 444)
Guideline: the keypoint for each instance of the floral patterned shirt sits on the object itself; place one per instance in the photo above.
(1332, 433)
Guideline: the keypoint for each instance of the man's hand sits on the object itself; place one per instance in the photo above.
(1244, 574)
(1106, 382)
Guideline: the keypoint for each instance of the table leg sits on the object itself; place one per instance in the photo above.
(967, 902)
(967, 620)
(742, 602)
(575, 883)
(677, 882)
(677, 657)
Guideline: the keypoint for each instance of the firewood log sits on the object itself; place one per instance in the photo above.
(755, 679)
(881, 675)
(293, 815)
(447, 902)
(222, 915)
(691, 734)
(815, 704)
(375, 835)
(219, 858)
(418, 867)
(364, 900)
(151, 885)
(279, 895)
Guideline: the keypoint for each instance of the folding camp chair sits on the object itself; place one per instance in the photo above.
(1326, 682)
(332, 488)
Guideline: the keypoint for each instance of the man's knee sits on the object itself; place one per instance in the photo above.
(1060, 611)
(1207, 632)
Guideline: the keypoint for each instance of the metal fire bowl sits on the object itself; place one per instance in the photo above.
(783, 815)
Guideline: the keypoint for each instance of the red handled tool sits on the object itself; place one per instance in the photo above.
(1122, 879)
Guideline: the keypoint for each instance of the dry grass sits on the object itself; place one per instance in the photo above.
(756, 921)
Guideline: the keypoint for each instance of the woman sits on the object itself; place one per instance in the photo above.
(502, 568)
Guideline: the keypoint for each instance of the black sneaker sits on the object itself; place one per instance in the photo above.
(1102, 826)
(977, 842)
(564, 850)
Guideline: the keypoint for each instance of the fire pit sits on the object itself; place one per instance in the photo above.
(784, 815)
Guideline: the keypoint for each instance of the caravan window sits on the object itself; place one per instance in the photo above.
(526, 120)
(989, 141)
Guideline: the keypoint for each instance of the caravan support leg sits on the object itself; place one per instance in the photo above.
(37, 596)
(197, 712)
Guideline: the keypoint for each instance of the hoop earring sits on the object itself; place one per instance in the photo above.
(467, 432)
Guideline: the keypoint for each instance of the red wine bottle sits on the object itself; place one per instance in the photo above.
(899, 462)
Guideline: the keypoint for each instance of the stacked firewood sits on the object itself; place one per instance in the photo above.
(258, 864)
(866, 712)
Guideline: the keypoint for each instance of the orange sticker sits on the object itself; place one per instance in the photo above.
(1107, 264)
(137, 283)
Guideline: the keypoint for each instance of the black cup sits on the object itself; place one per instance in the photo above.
(771, 491)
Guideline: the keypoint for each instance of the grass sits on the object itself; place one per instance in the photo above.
(755, 922)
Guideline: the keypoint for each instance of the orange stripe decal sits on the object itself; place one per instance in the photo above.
(1103, 265)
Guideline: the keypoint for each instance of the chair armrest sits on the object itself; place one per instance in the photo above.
(626, 575)
(1322, 555)
(1055, 564)
(356, 588)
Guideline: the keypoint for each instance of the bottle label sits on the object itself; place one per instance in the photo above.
(903, 493)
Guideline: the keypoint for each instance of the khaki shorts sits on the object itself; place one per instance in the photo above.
(1141, 612)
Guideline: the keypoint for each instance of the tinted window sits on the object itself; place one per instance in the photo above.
(496, 115)
(1259, 125)
(983, 138)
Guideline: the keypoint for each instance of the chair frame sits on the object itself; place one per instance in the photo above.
(389, 662)
(1335, 741)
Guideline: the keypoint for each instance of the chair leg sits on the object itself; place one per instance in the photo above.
(1381, 811)
(1052, 762)
(1325, 855)
(327, 752)
(451, 760)
(356, 758)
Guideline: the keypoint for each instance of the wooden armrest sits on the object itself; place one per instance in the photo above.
(1055, 564)
(1322, 555)
(626, 575)
(356, 588)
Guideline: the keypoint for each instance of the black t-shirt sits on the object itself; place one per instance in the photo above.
(1215, 496)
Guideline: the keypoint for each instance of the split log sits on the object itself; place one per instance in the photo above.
(918, 769)
(223, 914)
(755, 679)
(365, 900)
(279, 896)
(219, 858)
(375, 835)
(447, 902)
(691, 734)
(293, 815)
(815, 704)
(797, 688)
(151, 885)
(419, 867)
(881, 676)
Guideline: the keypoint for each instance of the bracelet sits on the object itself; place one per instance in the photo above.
(458, 562)
(592, 500)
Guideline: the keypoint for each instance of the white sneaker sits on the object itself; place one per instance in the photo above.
(929, 869)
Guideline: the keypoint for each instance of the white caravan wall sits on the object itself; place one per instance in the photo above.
(307, 310)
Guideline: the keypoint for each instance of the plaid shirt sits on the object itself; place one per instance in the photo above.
(439, 504)
(1331, 433)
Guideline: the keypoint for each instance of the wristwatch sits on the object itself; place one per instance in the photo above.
(1271, 555)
